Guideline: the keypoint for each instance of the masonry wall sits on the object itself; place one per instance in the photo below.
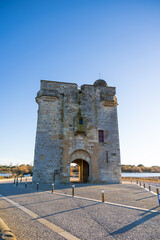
(60, 140)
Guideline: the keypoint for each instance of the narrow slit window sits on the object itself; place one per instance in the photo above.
(81, 121)
(107, 156)
(101, 136)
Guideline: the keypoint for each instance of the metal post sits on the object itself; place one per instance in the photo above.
(17, 182)
(26, 183)
(21, 180)
(37, 186)
(102, 191)
(149, 187)
(144, 185)
(14, 180)
(73, 186)
(131, 180)
(137, 181)
(140, 183)
(157, 189)
(159, 199)
(52, 187)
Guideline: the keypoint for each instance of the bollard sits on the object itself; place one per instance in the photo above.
(157, 189)
(14, 180)
(139, 183)
(159, 199)
(21, 180)
(17, 183)
(149, 187)
(73, 186)
(26, 183)
(144, 185)
(131, 180)
(102, 191)
(52, 187)
(37, 186)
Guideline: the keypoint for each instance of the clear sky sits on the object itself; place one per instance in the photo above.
(74, 41)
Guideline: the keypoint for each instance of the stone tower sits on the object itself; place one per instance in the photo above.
(77, 126)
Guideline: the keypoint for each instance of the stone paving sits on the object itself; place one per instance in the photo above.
(85, 219)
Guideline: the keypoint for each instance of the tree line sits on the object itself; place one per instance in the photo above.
(140, 169)
(28, 169)
(17, 170)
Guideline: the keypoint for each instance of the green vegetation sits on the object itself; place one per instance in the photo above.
(17, 170)
(28, 169)
(140, 168)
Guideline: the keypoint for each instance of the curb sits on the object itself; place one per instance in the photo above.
(5, 232)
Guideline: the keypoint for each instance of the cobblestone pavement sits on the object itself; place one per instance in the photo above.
(84, 219)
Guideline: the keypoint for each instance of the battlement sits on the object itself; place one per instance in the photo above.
(55, 88)
(52, 85)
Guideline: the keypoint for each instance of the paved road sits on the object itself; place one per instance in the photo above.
(82, 218)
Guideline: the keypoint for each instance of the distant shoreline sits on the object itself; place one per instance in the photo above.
(123, 174)
(144, 174)
(10, 175)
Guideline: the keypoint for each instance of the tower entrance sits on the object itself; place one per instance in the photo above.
(79, 171)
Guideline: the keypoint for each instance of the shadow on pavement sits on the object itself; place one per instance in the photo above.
(154, 196)
(69, 210)
(32, 203)
(134, 224)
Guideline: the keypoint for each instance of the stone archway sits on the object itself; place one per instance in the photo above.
(83, 170)
(82, 159)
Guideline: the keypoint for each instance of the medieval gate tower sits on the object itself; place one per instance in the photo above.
(77, 126)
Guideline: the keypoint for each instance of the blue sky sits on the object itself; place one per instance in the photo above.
(74, 41)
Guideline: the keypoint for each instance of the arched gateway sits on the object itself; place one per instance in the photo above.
(82, 159)
(83, 172)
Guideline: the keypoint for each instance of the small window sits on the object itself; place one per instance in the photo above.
(81, 121)
(113, 154)
(101, 136)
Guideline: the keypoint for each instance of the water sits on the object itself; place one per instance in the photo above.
(123, 175)
(27, 175)
(5, 174)
(141, 175)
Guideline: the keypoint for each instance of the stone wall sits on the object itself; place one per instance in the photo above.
(67, 130)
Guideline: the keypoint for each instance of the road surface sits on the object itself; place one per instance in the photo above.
(130, 212)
